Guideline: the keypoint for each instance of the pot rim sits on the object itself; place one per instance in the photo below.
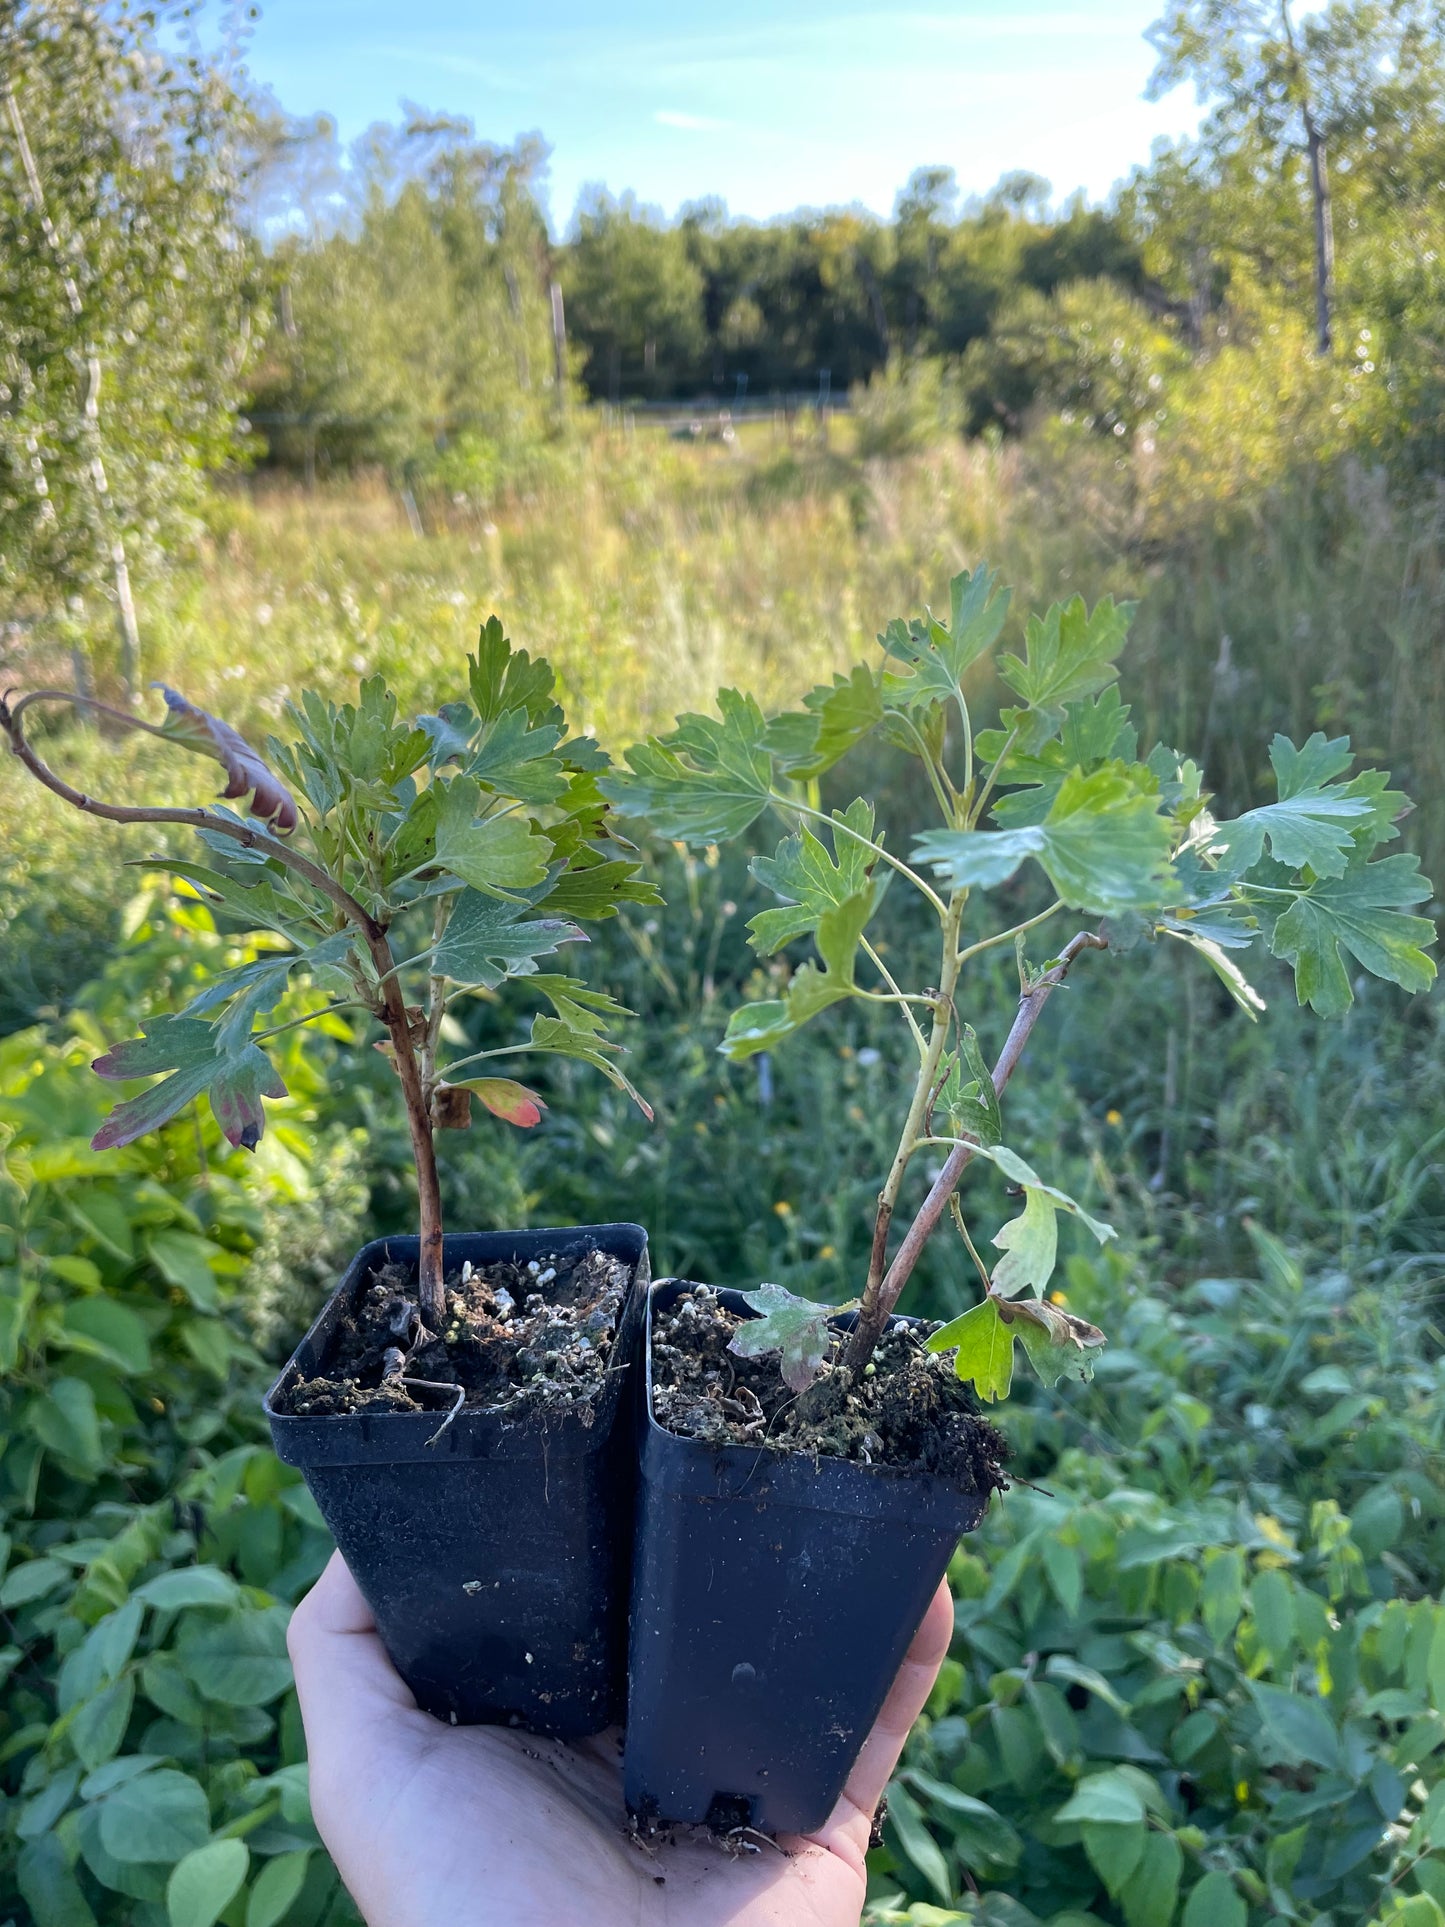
(773, 1474)
(340, 1438)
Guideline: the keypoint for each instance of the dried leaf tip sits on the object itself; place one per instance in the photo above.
(209, 736)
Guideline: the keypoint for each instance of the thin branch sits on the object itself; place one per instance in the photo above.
(926, 759)
(878, 1307)
(918, 1105)
(975, 815)
(242, 833)
(956, 1210)
(311, 1017)
(1007, 936)
(887, 975)
(393, 1006)
(436, 1002)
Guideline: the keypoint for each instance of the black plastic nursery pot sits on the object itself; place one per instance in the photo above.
(496, 1560)
(774, 1597)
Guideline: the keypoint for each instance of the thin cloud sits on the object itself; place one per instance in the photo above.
(453, 63)
(689, 123)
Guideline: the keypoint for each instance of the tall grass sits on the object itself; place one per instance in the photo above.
(650, 572)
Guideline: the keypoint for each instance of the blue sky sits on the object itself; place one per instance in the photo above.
(773, 104)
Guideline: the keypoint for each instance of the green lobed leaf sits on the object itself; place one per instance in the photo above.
(488, 940)
(1093, 732)
(1068, 653)
(1361, 914)
(1103, 845)
(496, 854)
(503, 678)
(967, 1096)
(516, 760)
(834, 718)
(984, 1349)
(936, 657)
(253, 989)
(761, 1026)
(561, 1038)
(706, 781)
(1207, 945)
(1311, 826)
(578, 1005)
(1018, 1171)
(449, 733)
(1030, 1244)
(795, 1328)
(594, 886)
(249, 894)
(811, 881)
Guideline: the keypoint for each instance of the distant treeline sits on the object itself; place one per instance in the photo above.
(706, 306)
(189, 278)
(425, 316)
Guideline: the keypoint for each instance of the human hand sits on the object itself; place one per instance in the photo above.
(482, 1824)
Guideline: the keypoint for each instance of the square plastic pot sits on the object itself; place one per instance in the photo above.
(496, 1560)
(774, 1597)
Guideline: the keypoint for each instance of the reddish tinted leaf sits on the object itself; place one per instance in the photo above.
(209, 736)
(237, 1092)
(151, 1109)
(506, 1099)
(236, 1079)
(169, 1044)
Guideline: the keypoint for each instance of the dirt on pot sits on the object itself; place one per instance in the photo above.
(908, 1409)
(521, 1339)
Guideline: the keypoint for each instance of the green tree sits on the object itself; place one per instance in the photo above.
(1360, 81)
(1088, 349)
(425, 327)
(125, 297)
(634, 294)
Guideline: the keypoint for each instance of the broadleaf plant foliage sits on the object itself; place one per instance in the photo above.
(404, 867)
(1056, 787)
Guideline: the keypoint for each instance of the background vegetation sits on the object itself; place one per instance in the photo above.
(1200, 1675)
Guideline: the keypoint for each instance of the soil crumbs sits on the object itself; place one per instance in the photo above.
(520, 1339)
(908, 1409)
